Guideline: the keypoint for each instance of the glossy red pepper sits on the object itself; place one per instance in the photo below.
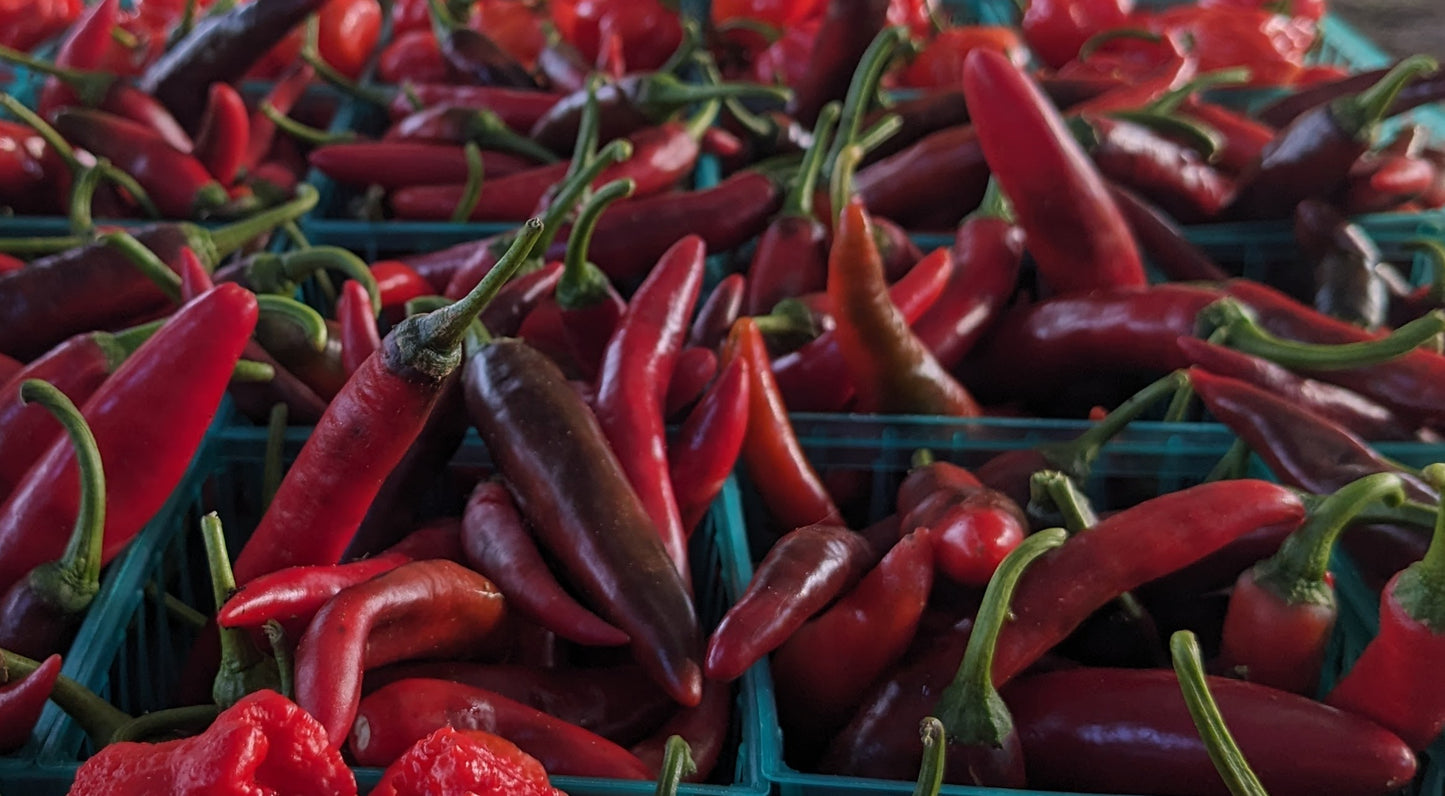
(395, 389)
(414, 57)
(848, 27)
(470, 761)
(518, 109)
(1283, 610)
(589, 308)
(1243, 137)
(706, 448)
(1270, 45)
(499, 545)
(283, 96)
(223, 140)
(944, 170)
(790, 488)
(723, 305)
(293, 595)
(359, 336)
(178, 183)
(409, 612)
(695, 370)
(1075, 233)
(1162, 240)
(173, 381)
(399, 164)
(22, 699)
(803, 571)
(84, 47)
(633, 379)
(649, 31)
(704, 728)
(826, 665)
(398, 283)
(1172, 175)
(394, 717)
(1070, 720)
(1055, 30)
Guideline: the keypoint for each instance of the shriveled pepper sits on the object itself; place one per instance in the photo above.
(471, 761)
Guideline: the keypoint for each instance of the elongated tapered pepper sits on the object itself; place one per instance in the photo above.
(589, 307)
(499, 546)
(1075, 232)
(1162, 240)
(1282, 610)
(632, 385)
(21, 701)
(147, 424)
(705, 730)
(706, 448)
(292, 596)
(225, 133)
(569, 484)
(42, 611)
(891, 368)
(396, 390)
(400, 164)
(1390, 681)
(359, 336)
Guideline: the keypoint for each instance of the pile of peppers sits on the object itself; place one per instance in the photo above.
(479, 628)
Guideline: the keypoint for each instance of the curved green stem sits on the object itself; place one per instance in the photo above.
(146, 261)
(863, 88)
(840, 189)
(880, 131)
(281, 649)
(243, 669)
(1171, 100)
(687, 48)
(799, 201)
(995, 204)
(97, 717)
(424, 304)
(662, 90)
(488, 130)
(576, 185)
(42, 246)
(1196, 135)
(970, 708)
(1100, 39)
(472, 190)
(82, 196)
(584, 284)
(272, 468)
(1232, 464)
(232, 237)
(164, 725)
(1435, 250)
(1077, 456)
(584, 149)
(53, 139)
(90, 87)
(432, 342)
(1297, 571)
(283, 273)
(1223, 751)
(1420, 588)
(1359, 114)
(789, 317)
(248, 372)
(304, 132)
(350, 87)
(930, 772)
(72, 582)
(308, 320)
(677, 763)
(1245, 334)
(1061, 492)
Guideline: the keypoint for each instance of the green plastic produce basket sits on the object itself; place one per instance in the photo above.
(1145, 460)
(132, 651)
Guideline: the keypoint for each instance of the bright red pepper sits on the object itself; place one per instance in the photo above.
(940, 65)
(1273, 47)
(702, 455)
(649, 30)
(178, 183)
(224, 137)
(359, 336)
(1075, 233)
(21, 701)
(470, 761)
(1056, 29)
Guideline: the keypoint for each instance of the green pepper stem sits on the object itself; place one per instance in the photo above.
(1435, 251)
(1179, 403)
(90, 87)
(50, 135)
(72, 582)
(1196, 135)
(1420, 588)
(249, 372)
(1242, 332)
(436, 338)
(677, 763)
(127, 341)
(1297, 571)
(921, 457)
(232, 237)
(304, 132)
(840, 189)
(700, 122)
(1223, 751)
(880, 131)
(799, 201)
(1077, 456)
(350, 87)
(42, 246)
(662, 90)
(273, 468)
(575, 185)
(281, 649)
(161, 725)
(930, 771)
(863, 87)
(789, 317)
(1099, 39)
(82, 196)
(970, 708)
(424, 304)
(242, 669)
(1360, 114)
(1170, 100)
(174, 607)
(690, 44)
(97, 717)
(1064, 494)
(995, 204)
(297, 265)
(1231, 464)
(487, 129)
(308, 320)
(442, 21)
(472, 189)
(584, 149)
(584, 284)
(146, 261)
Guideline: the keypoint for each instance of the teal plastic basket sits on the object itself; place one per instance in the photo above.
(133, 652)
(1145, 460)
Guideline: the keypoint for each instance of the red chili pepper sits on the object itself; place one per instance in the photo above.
(23, 172)
(987, 253)
(43, 610)
(826, 666)
(398, 283)
(632, 385)
(1311, 157)
(1383, 183)
(815, 378)
(293, 595)
(1055, 30)
(589, 308)
(499, 546)
(347, 34)
(394, 717)
(418, 610)
(1162, 240)
(1271, 46)
(399, 164)
(944, 170)
(359, 336)
(650, 31)
(263, 742)
(1075, 233)
(706, 448)
(789, 486)
(518, 109)
(413, 56)
(848, 27)
(1243, 138)
(1389, 683)
(84, 47)
(722, 306)
(801, 574)
(704, 728)
(972, 531)
(174, 381)
(178, 183)
(940, 65)
(21, 702)
(395, 390)
(283, 97)
(1349, 409)
(570, 486)
(891, 369)
(222, 142)
(36, 23)
(694, 371)
(1070, 720)
(1170, 174)
(470, 761)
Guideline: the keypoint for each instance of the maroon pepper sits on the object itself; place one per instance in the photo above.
(943, 173)
(1162, 240)
(715, 317)
(1170, 174)
(399, 164)
(849, 26)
